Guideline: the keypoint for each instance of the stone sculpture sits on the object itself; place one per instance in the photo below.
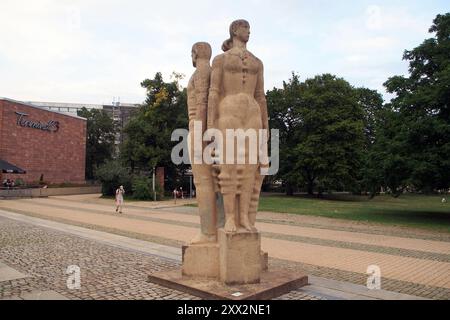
(197, 91)
(230, 95)
(237, 101)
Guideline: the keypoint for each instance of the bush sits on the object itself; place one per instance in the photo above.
(142, 188)
(111, 174)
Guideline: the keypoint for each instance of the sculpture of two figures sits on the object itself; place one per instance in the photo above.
(228, 95)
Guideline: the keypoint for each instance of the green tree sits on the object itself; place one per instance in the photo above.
(422, 104)
(281, 105)
(321, 133)
(148, 134)
(100, 138)
(330, 138)
(371, 102)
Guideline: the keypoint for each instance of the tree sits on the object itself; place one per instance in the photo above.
(422, 104)
(281, 104)
(371, 102)
(321, 132)
(386, 161)
(148, 134)
(100, 138)
(330, 138)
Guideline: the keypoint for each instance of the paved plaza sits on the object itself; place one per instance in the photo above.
(41, 237)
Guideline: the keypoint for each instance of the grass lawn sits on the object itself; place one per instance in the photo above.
(420, 211)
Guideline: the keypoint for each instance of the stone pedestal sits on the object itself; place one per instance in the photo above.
(201, 261)
(233, 268)
(240, 257)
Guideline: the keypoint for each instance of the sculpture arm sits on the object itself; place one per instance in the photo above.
(260, 97)
(201, 85)
(214, 90)
(192, 112)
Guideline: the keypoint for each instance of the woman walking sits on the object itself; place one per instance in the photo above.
(119, 198)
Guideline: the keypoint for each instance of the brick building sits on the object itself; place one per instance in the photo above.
(42, 142)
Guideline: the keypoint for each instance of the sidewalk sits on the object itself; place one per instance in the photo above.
(65, 235)
(410, 265)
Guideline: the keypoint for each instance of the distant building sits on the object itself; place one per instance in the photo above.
(118, 111)
(121, 114)
(65, 107)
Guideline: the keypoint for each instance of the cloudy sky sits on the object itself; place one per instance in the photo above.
(91, 51)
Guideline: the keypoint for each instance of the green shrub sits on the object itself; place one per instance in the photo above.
(112, 174)
(142, 190)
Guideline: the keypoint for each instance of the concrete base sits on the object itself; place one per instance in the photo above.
(239, 257)
(201, 261)
(271, 285)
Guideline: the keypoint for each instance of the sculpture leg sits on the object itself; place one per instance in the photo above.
(247, 183)
(206, 198)
(229, 204)
(255, 197)
(228, 183)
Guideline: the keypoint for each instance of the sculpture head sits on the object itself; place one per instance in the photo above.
(200, 51)
(239, 29)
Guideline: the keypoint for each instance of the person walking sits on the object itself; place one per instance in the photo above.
(119, 198)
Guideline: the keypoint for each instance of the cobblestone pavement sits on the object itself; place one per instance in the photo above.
(415, 263)
(107, 272)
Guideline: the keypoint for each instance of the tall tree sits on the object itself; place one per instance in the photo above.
(422, 102)
(148, 143)
(281, 105)
(330, 138)
(321, 132)
(100, 138)
(371, 102)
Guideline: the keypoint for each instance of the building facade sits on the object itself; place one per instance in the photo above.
(44, 143)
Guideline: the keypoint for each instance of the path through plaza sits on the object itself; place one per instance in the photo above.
(335, 253)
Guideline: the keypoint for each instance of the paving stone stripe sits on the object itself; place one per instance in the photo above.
(127, 203)
(404, 287)
(189, 210)
(318, 241)
(146, 237)
(432, 246)
(362, 247)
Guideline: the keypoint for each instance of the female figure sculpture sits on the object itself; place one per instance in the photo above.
(237, 101)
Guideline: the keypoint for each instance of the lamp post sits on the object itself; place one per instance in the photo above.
(154, 189)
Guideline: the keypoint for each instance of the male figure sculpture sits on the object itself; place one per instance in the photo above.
(197, 91)
(237, 101)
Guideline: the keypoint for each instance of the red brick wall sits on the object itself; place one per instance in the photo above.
(60, 155)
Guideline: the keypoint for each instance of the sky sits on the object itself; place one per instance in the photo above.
(92, 51)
